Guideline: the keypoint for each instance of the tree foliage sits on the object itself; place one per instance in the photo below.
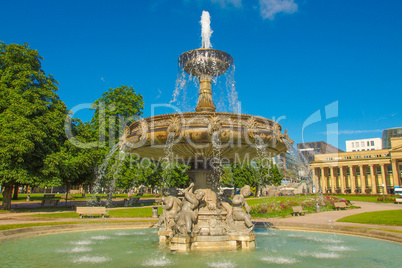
(116, 108)
(31, 117)
(254, 174)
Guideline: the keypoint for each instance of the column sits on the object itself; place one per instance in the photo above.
(384, 178)
(317, 178)
(323, 180)
(333, 180)
(396, 173)
(342, 179)
(373, 182)
(362, 179)
(352, 179)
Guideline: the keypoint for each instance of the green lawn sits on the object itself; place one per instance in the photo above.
(257, 201)
(364, 198)
(77, 197)
(386, 217)
(26, 225)
(145, 212)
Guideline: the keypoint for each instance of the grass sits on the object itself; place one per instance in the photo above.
(26, 225)
(364, 198)
(386, 217)
(145, 212)
(77, 197)
(256, 201)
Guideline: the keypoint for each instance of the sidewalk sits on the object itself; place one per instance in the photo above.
(329, 218)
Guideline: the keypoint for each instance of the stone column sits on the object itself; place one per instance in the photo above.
(396, 173)
(362, 179)
(318, 179)
(342, 179)
(323, 180)
(333, 180)
(384, 178)
(352, 179)
(373, 181)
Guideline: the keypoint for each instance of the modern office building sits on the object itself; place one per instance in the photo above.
(363, 145)
(309, 149)
(387, 134)
(359, 171)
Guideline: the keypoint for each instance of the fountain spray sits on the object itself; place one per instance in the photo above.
(206, 29)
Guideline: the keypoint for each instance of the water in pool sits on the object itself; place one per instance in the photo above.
(140, 248)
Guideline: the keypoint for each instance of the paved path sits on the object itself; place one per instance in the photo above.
(330, 217)
(324, 218)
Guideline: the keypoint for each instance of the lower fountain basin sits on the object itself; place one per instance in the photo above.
(192, 133)
(139, 248)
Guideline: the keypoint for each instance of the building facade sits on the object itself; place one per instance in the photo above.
(387, 134)
(309, 149)
(364, 145)
(360, 171)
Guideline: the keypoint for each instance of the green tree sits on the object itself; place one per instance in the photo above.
(72, 165)
(255, 174)
(31, 117)
(117, 108)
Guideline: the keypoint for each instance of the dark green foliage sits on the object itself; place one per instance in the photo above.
(31, 116)
(116, 109)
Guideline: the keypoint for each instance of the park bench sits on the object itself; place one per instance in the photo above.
(298, 210)
(340, 205)
(398, 200)
(69, 196)
(91, 211)
(131, 200)
(48, 199)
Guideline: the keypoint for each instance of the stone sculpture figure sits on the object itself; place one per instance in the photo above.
(226, 204)
(170, 208)
(238, 214)
(188, 214)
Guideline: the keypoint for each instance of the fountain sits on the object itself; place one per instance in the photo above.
(204, 220)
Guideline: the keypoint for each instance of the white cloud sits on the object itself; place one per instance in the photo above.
(351, 132)
(223, 3)
(269, 8)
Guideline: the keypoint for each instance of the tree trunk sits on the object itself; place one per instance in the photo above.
(66, 193)
(7, 193)
(16, 188)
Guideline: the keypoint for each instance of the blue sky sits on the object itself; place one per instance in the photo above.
(330, 70)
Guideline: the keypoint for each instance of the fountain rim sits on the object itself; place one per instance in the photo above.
(31, 232)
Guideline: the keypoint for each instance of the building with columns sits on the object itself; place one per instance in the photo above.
(359, 172)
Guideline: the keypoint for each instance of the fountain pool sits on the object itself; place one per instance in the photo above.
(140, 248)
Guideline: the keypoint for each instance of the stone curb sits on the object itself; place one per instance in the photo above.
(337, 229)
(54, 229)
(67, 228)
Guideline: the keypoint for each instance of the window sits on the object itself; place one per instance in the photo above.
(389, 169)
(378, 170)
(318, 145)
(372, 143)
(362, 143)
(353, 145)
(363, 149)
(357, 144)
(368, 171)
(368, 143)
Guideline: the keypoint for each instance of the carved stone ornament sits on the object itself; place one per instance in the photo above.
(174, 126)
(143, 129)
(215, 125)
(252, 127)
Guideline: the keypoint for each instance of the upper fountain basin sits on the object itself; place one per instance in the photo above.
(205, 61)
(193, 133)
